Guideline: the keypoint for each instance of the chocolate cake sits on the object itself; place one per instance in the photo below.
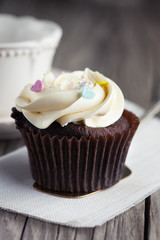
(71, 130)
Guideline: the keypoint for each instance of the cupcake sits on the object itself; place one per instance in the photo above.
(76, 131)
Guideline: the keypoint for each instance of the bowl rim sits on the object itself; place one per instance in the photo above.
(49, 40)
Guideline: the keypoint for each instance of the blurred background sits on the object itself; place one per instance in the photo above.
(119, 38)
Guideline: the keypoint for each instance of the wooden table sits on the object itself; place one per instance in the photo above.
(122, 42)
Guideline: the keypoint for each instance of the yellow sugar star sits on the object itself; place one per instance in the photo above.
(104, 85)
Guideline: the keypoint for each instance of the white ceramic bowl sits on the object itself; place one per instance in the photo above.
(27, 48)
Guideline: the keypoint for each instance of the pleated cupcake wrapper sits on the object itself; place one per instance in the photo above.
(78, 166)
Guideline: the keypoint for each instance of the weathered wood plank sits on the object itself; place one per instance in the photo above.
(11, 225)
(128, 225)
(84, 233)
(36, 229)
(154, 217)
(66, 233)
(99, 232)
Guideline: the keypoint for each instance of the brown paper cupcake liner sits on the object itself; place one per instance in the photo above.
(78, 166)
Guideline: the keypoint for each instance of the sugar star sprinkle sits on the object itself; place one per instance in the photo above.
(103, 84)
(81, 85)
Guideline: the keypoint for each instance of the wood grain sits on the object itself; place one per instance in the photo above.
(128, 225)
(11, 225)
(35, 229)
(154, 217)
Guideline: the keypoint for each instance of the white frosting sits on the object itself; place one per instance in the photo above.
(73, 97)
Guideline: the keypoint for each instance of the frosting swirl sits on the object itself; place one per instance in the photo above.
(83, 97)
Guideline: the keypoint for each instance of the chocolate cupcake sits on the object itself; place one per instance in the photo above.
(76, 131)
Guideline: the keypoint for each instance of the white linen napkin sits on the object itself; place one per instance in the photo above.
(17, 194)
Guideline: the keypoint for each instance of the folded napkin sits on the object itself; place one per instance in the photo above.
(17, 194)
